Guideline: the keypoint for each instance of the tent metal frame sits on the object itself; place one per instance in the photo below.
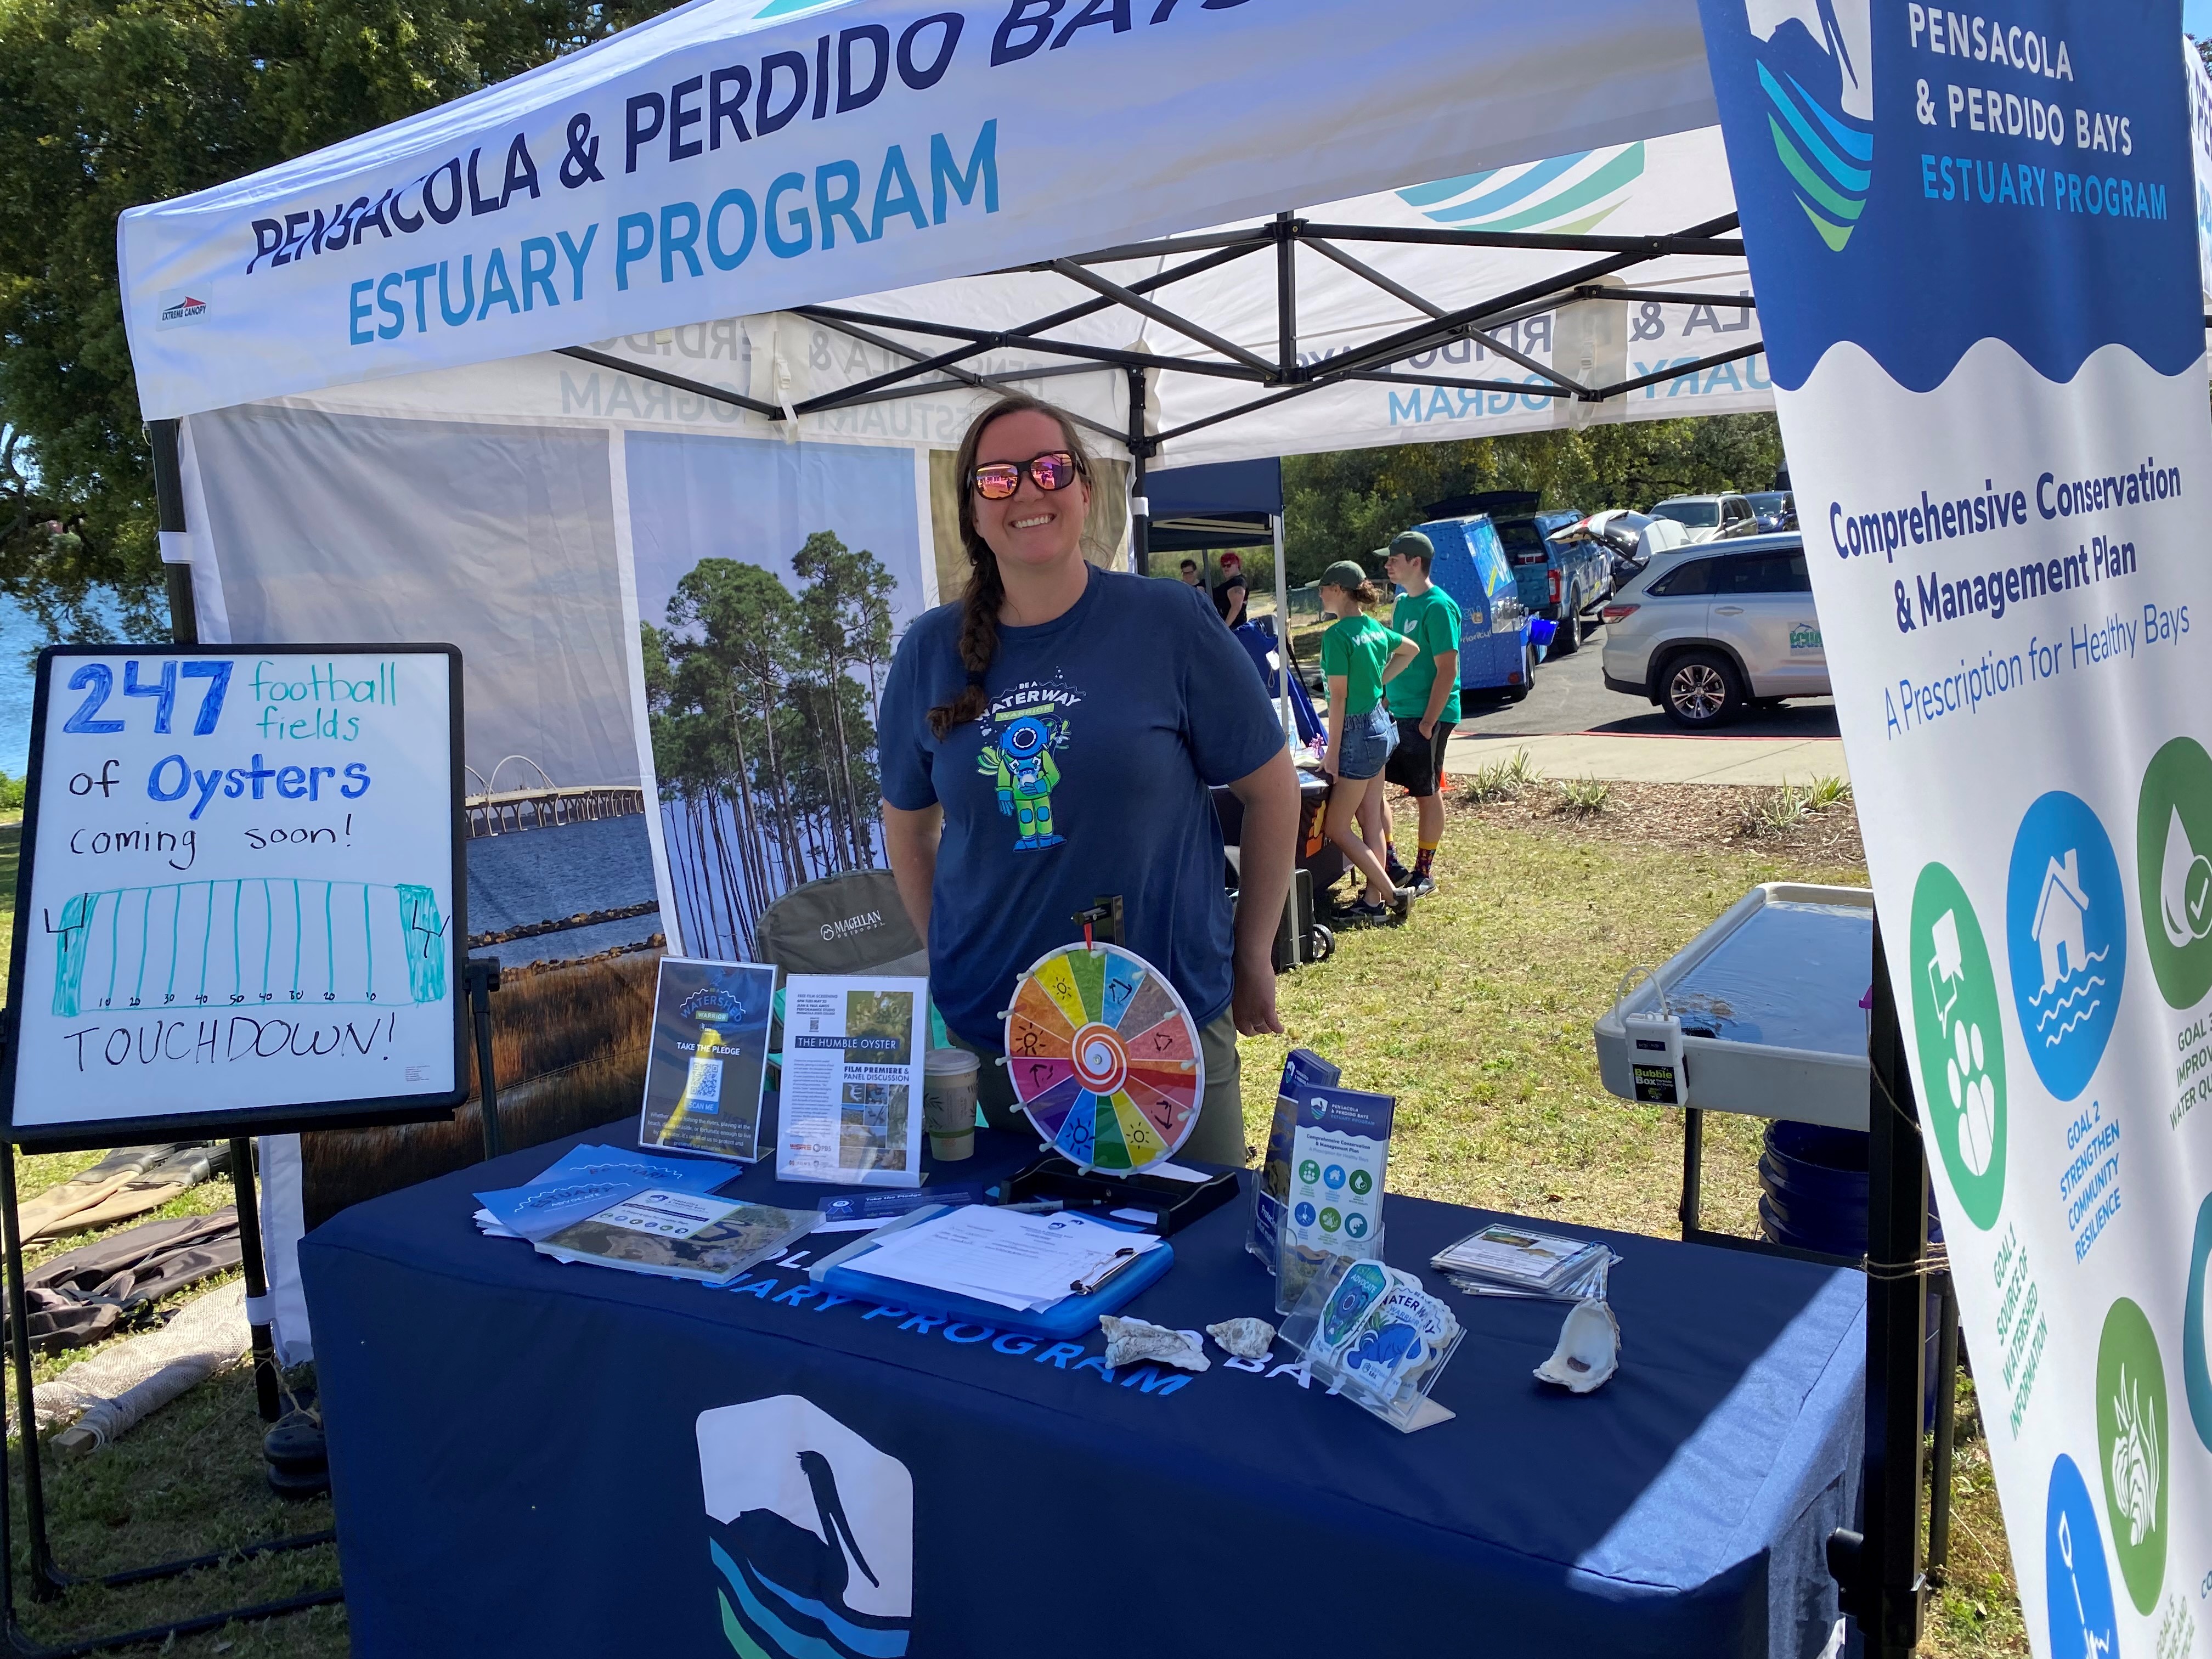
(1278, 379)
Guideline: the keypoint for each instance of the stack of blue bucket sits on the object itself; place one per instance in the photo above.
(1813, 1196)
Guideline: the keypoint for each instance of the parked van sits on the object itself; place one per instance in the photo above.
(1495, 652)
(1560, 577)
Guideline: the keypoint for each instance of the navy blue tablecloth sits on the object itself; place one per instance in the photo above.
(525, 1455)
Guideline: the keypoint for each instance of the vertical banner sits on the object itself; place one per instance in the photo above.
(1972, 235)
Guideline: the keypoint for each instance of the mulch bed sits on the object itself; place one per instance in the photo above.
(1694, 816)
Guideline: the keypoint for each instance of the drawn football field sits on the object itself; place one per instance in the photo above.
(256, 940)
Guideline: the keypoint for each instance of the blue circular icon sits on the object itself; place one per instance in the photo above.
(2196, 1372)
(1303, 1215)
(1355, 1226)
(2066, 939)
(1333, 1177)
(2077, 1586)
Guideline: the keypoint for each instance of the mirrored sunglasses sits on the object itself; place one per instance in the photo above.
(1000, 479)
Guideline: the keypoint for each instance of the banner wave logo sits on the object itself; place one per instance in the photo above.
(1825, 142)
(1568, 194)
(811, 1534)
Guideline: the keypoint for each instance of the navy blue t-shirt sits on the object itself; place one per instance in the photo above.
(1087, 775)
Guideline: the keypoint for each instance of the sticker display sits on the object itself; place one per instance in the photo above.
(1383, 1328)
(1103, 1057)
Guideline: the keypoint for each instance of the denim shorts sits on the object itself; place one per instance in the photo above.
(1367, 740)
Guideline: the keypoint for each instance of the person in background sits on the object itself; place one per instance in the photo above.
(1228, 593)
(1360, 656)
(1424, 700)
(1190, 576)
(1050, 736)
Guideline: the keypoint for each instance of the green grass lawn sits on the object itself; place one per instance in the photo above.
(11, 848)
(1477, 1016)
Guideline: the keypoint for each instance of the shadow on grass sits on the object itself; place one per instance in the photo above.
(189, 1481)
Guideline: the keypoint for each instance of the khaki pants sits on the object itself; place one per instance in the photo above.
(1218, 1137)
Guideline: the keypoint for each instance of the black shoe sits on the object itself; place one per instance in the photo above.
(1419, 886)
(1397, 872)
(1373, 911)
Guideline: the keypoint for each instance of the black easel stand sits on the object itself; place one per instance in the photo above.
(481, 974)
(48, 1578)
(1878, 1571)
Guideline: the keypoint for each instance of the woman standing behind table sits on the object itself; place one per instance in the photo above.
(1051, 739)
(1360, 656)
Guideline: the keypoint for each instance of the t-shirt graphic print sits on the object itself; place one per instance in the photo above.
(1022, 728)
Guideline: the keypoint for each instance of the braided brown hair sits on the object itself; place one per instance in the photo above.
(986, 591)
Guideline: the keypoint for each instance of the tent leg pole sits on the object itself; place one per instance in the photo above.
(1880, 1572)
(1140, 511)
(169, 517)
(1289, 726)
(1282, 634)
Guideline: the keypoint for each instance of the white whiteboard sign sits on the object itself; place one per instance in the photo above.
(241, 898)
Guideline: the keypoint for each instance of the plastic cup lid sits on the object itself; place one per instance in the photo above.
(949, 1062)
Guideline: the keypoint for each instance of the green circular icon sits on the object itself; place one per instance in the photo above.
(1330, 1221)
(1309, 1172)
(2131, 1443)
(2173, 870)
(1362, 1182)
(1959, 1034)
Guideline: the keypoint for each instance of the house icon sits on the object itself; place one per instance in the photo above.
(2059, 914)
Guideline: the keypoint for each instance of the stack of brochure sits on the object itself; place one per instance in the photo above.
(643, 1213)
(1507, 1261)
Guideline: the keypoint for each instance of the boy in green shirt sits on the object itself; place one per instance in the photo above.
(1424, 700)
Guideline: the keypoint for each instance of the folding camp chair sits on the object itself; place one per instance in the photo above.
(851, 923)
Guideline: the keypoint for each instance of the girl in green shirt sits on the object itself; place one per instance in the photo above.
(1360, 656)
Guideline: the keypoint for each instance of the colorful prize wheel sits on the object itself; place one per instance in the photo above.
(1104, 1057)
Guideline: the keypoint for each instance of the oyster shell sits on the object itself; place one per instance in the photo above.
(1247, 1338)
(1588, 1350)
(1131, 1339)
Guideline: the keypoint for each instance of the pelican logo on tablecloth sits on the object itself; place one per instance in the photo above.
(811, 1531)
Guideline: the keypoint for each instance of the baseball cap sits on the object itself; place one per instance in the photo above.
(1412, 544)
(1344, 573)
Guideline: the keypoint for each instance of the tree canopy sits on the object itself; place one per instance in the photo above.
(105, 104)
(762, 701)
(1348, 504)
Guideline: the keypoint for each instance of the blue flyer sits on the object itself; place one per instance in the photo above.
(1301, 1070)
(585, 1180)
(1340, 1150)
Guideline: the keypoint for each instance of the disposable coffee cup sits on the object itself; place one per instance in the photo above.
(948, 1103)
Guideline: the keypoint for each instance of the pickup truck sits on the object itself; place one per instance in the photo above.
(1558, 578)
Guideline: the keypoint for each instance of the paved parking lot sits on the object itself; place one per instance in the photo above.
(1573, 728)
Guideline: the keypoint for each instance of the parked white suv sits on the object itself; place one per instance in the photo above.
(1702, 632)
(1704, 518)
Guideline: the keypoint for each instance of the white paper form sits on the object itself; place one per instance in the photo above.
(1015, 1260)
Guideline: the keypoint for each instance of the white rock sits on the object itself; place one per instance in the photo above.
(1131, 1339)
(1247, 1338)
(1588, 1350)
